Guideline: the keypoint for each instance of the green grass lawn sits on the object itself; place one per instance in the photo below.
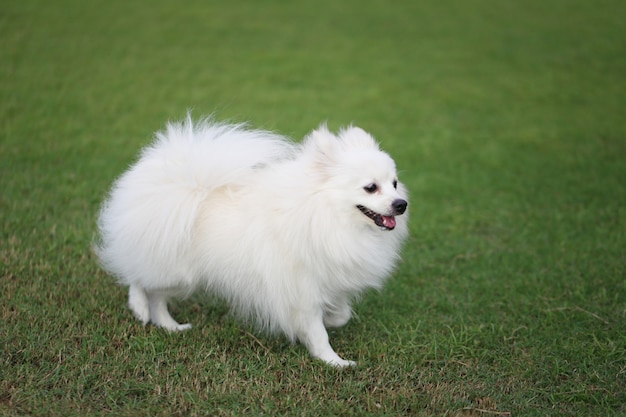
(506, 119)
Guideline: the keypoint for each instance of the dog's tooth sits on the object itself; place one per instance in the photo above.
(389, 221)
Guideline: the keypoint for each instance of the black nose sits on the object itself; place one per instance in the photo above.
(399, 206)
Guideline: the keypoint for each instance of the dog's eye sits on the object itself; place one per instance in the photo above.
(371, 188)
(395, 183)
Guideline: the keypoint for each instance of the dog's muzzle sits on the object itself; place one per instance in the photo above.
(387, 222)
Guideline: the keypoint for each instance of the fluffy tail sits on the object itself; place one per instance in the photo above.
(213, 154)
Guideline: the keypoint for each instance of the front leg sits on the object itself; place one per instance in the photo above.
(337, 316)
(313, 335)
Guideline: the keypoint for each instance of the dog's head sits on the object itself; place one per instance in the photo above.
(359, 175)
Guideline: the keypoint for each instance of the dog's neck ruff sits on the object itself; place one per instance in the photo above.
(384, 222)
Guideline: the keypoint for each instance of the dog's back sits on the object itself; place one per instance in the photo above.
(146, 222)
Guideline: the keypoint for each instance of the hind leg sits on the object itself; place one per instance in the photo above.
(152, 307)
(160, 315)
(138, 303)
(312, 334)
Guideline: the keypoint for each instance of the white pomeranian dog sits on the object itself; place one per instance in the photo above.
(289, 234)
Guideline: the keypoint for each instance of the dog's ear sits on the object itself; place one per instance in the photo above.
(323, 142)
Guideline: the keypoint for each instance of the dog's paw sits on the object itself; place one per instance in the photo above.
(334, 360)
(175, 327)
(341, 363)
(182, 327)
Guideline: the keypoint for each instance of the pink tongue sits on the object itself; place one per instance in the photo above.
(389, 221)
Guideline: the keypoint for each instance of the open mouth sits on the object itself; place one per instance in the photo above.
(385, 222)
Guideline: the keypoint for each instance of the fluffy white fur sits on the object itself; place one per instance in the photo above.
(272, 226)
